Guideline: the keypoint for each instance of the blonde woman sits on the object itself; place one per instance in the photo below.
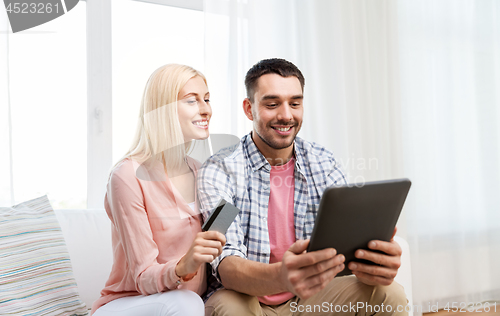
(159, 250)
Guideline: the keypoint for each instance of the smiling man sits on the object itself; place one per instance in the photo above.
(276, 179)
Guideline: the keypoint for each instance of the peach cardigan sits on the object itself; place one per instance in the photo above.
(152, 228)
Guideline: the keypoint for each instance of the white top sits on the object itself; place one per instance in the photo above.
(191, 205)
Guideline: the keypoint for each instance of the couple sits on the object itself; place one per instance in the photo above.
(160, 253)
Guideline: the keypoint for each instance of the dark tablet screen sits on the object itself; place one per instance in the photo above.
(351, 216)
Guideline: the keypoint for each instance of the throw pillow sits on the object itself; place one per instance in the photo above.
(35, 268)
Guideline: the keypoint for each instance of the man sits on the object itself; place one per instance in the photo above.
(276, 179)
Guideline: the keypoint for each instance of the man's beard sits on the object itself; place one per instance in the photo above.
(269, 142)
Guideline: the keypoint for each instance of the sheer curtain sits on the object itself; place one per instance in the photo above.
(5, 127)
(450, 103)
(393, 88)
(346, 51)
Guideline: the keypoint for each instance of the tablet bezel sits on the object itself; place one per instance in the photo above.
(350, 216)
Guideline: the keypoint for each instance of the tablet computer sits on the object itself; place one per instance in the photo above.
(351, 216)
(221, 217)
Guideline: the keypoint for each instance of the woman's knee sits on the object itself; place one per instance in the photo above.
(182, 303)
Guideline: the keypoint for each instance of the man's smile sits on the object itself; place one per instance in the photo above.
(282, 129)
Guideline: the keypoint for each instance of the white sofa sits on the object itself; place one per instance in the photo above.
(88, 238)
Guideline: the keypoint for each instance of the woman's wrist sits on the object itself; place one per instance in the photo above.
(179, 269)
(182, 274)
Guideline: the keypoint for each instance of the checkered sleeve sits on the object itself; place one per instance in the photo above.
(215, 182)
(336, 175)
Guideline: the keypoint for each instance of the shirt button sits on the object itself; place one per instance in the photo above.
(265, 187)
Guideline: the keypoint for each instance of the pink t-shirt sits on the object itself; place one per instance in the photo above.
(280, 220)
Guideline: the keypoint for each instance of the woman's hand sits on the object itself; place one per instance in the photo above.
(205, 248)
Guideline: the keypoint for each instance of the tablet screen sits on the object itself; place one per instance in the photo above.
(351, 216)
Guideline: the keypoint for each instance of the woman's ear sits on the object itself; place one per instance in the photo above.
(247, 108)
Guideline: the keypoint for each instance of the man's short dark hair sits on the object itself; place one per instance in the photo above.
(277, 66)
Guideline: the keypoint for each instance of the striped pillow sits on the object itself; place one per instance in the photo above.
(35, 270)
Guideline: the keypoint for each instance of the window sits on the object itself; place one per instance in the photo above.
(146, 36)
(59, 80)
(48, 102)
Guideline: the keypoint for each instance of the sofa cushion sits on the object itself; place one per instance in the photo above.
(88, 238)
(35, 269)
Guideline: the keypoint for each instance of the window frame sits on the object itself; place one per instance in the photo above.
(99, 137)
(99, 93)
(184, 4)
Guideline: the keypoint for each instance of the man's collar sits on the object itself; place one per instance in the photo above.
(298, 152)
(257, 159)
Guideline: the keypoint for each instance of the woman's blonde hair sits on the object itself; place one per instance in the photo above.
(158, 137)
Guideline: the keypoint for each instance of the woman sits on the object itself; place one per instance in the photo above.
(159, 250)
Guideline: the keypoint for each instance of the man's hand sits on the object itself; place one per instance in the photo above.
(305, 274)
(389, 262)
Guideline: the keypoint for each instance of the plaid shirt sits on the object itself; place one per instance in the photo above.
(241, 175)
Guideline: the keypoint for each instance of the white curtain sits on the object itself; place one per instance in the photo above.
(5, 128)
(450, 103)
(346, 51)
(393, 88)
